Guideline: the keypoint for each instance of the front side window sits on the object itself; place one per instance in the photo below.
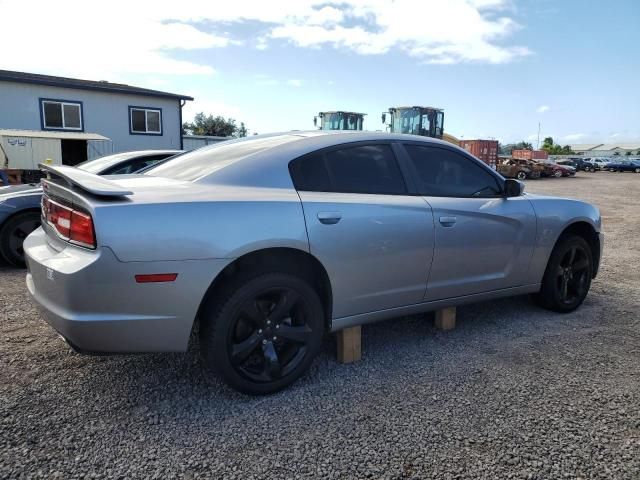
(61, 115)
(360, 169)
(445, 173)
(145, 121)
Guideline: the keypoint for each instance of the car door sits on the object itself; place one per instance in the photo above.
(374, 239)
(483, 241)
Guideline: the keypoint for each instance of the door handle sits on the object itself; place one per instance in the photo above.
(448, 221)
(329, 218)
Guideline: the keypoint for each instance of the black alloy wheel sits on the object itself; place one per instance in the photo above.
(567, 278)
(265, 335)
(13, 234)
(270, 335)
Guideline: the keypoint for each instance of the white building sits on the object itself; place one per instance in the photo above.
(606, 149)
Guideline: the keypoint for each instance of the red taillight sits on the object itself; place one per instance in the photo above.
(72, 225)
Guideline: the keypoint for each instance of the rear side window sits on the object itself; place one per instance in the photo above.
(358, 169)
(445, 173)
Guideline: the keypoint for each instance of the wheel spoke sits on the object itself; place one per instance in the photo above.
(559, 271)
(272, 366)
(253, 312)
(581, 265)
(572, 256)
(241, 351)
(285, 304)
(298, 334)
(564, 289)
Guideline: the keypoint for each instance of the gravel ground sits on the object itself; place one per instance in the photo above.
(513, 392)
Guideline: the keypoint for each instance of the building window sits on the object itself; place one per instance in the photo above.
(61, 114)
(145, 121)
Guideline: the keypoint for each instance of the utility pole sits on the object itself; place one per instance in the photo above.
(538, 144)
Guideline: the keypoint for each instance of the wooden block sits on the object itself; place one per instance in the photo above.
(446, 318)
(350, 344)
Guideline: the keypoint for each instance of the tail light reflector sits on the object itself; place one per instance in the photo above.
(156, 277)
(72, 225)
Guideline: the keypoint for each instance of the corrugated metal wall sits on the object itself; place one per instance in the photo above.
(26, 153)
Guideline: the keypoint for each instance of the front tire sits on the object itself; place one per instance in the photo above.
(260, 334)
(521, 175)
(567, 278)
(13, 233)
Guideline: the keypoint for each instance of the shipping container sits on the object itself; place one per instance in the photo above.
(530, 154)
(485, 150)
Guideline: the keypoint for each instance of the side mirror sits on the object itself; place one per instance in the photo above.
(384, 118)
(513, 188)
(315, 121)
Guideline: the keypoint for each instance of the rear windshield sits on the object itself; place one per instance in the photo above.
(204, 161)
(99, 164)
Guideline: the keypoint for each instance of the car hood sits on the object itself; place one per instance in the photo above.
(19, 191)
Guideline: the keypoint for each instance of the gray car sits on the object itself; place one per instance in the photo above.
(269, 243)
(20, 204)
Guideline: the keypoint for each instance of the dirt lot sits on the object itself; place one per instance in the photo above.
(514, 392)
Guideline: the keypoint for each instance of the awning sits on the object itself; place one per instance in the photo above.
(51, 134)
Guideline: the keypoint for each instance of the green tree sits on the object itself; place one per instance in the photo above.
(242, 130)
(628, 154)
(214, 126)
(547, 143)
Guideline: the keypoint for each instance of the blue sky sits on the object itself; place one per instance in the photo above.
(497, 67)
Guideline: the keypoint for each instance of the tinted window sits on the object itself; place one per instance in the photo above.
(442, 172)
(361, 169)
(138, 121)
(71, 116)
(53, 115)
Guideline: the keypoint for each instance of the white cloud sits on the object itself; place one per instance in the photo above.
(145, 37)
(543, 108)
(294, 82)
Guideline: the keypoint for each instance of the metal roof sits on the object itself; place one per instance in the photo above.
(584, 146)
(622, 146)
(102, 85)
(52, 134)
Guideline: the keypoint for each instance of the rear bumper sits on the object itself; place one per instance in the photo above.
(94, 302)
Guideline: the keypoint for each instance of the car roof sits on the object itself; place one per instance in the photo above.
(268, 167)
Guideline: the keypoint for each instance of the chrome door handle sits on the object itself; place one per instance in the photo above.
(329, 218)
(448, 221)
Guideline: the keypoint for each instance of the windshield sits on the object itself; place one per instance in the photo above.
(204, 161)
(100, 164)
(406, 121)
(341, 121)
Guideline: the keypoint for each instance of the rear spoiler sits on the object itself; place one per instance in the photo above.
(86, 181)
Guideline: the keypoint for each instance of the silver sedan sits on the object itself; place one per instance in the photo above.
(269, 243)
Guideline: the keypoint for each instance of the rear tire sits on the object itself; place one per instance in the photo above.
(567, 278)
(13, 233)
(521, 175)
(261, 332)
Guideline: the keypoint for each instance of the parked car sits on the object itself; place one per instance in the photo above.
(566, 170)
(550, 169)
(520, 169)
(582, 164)
(579, 164)
(20, 204)
(601, 163)
(270, 242)
(625, 166)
